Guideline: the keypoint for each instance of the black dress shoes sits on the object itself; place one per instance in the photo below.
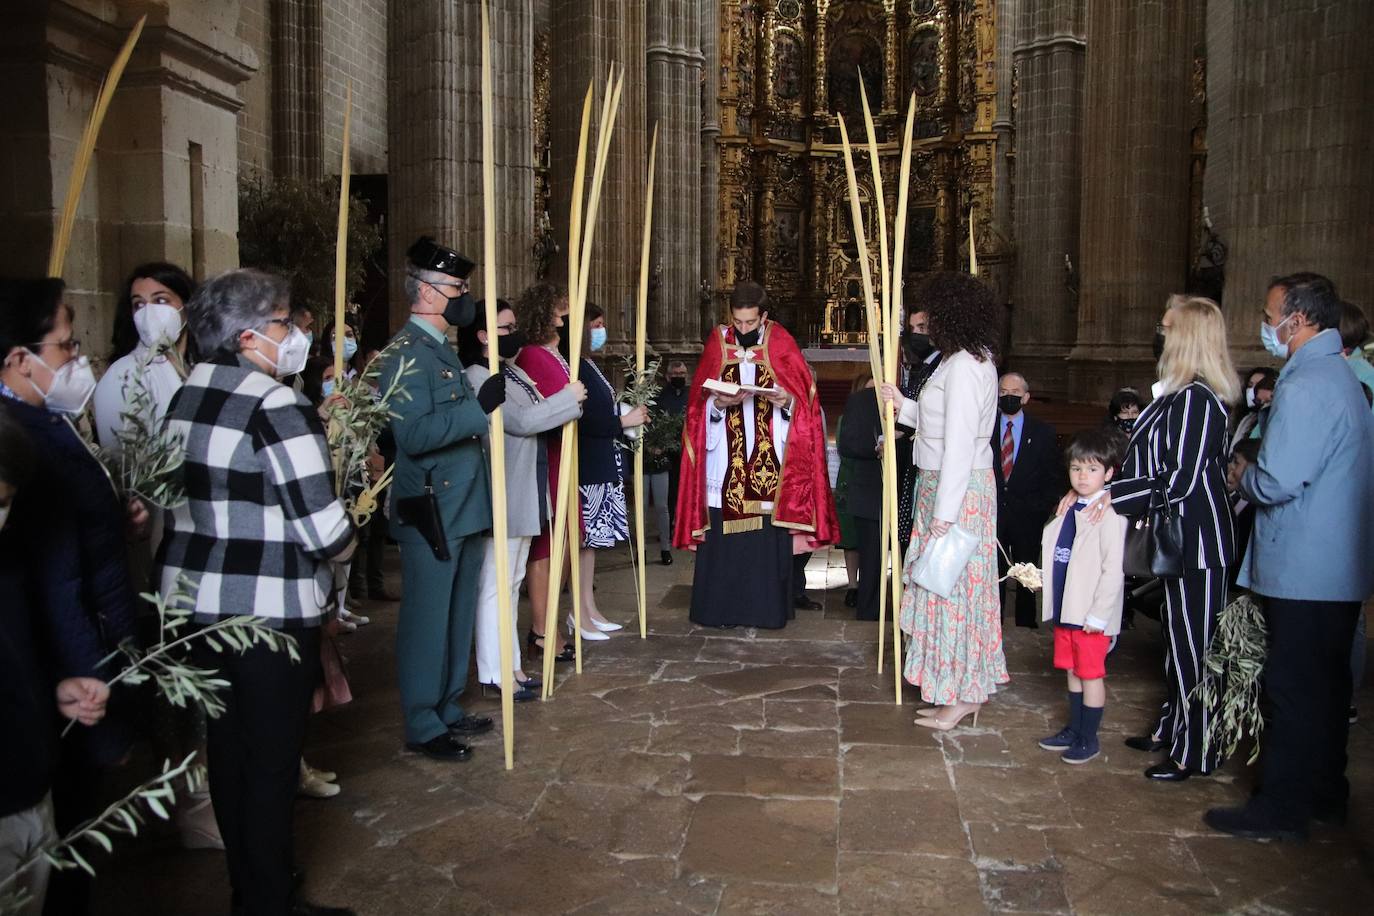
(851, 597)
(1145, 743)
(805, 603)
(471, 725)
(442, 747)
(1251, 824)
(1168, 771)
(665, 557)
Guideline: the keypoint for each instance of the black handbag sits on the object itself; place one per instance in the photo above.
(422, 513)
(1154, 541)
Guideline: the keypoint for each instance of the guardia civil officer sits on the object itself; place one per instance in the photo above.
(441, 501)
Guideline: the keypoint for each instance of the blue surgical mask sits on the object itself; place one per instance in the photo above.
(309, 339)
(1269, 337)
(350, 347)
(327, 387)
(598, 338)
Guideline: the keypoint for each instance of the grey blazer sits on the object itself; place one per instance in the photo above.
(526, 416)
(1314, 483)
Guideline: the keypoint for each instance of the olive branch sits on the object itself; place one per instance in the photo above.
(147, 461)
(1231, 684)
(354, 425)
(640, 390)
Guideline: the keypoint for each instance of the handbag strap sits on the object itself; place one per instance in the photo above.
(429, 482)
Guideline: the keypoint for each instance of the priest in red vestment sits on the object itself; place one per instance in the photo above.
(754, 485)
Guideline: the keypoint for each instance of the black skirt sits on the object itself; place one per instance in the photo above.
(743, 579)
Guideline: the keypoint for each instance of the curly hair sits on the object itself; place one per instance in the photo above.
(962, 314)
(537, 311)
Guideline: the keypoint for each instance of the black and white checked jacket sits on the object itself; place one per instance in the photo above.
(261, 521)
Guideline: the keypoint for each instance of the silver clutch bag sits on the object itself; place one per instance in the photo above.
(939, 567)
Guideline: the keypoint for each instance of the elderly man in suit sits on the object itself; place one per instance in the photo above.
(440, 464)
(1309, 559)
(1029, 481)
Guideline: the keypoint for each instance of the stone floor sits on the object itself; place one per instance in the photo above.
(767, 773)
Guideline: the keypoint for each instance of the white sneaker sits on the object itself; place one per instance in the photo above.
(311, 786)
(350, 617)
(591, 635)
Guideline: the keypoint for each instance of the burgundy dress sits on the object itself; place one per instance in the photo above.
(549, 371)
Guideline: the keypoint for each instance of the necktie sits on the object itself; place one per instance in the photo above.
(1008, 452)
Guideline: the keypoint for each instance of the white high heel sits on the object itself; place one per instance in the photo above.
(587, 635)
(606, 626)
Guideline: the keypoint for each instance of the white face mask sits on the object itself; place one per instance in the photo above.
(1250, 396)
(71, 386)
(159, 325)
(292, 352)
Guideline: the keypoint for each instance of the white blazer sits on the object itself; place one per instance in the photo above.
(954, 419)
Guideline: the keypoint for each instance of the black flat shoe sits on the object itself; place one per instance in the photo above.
(521, 694)
(851, 598)
(1146, 743)
(535, 643)
(471, 725)
(804, 603)
(665, 557)
(1168, 771)
(1250, 824)
(442, 747)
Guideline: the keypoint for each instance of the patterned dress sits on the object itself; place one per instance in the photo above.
(604, 516)
(955, 653)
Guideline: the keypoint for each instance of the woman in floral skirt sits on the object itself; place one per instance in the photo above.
(955, 651)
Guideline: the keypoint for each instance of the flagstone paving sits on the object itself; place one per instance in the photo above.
(705, 772)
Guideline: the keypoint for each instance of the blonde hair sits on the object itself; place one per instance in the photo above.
(1195, 348)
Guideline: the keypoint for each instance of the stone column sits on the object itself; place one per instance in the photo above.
(435, 134)
(1135, 187)
(588, 37)
(1288, 179)
(1003, 125)
(673, 100)
(1049, 141)
(710, 169)
(297, 88)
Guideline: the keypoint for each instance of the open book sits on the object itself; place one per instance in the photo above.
(730, 389)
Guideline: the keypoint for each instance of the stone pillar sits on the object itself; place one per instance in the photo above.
(588, 37)
(435, 134)
(1049, 142)
(1135, 187)
(163, 182)
(1003, 124)
(673, 101)
(710, 169)
(298, 88)
(1288, 180)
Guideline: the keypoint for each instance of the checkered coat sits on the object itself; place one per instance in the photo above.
(261, 521)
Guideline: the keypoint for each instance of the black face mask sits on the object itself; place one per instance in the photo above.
(1158, 345)
(677, 384)
(563, 346)
(1009, 404)
(460, 311)
(508, 346)
(747, 340)
(916, 347)
(1125, 424)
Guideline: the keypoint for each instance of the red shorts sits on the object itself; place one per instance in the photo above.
(1085, 654)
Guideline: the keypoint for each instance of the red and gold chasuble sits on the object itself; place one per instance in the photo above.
(750, 479)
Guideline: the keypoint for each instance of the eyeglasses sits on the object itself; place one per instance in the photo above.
(71, 347)
(1161, 329)
(508, 328)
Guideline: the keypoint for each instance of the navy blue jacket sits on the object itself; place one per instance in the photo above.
(598, 431)
(67, 530)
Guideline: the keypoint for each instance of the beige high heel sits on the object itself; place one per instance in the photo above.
(945, 725)
(930, 711)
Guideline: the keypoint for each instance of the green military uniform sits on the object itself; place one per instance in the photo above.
(438, 433)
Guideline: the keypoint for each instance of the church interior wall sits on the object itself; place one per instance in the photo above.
(355, 51)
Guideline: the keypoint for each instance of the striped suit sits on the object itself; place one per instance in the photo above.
(1179, 443)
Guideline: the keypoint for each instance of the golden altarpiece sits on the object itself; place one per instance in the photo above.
(789, 70)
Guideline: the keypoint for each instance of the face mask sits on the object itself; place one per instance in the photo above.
(747, 340)
(916, 347)
(1125, 424)
(1269, 336)
(678, 384)
(1158, 345)
(159, 325)
(1009, 404)
(4, 516)
(309, 339)
(598, 338)
(350, 347)
(327, 387)
(508, 346)
(563, 339)
(71, 386)
(292, 353)
(1250, 396)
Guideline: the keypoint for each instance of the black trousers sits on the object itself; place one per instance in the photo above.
(799, 561)
(367, 560)
(254, 759)
(1022, 550)
(1307, 694)
(871, 578)
(1192, 605)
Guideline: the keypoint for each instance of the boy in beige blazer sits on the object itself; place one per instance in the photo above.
(1083, 580)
